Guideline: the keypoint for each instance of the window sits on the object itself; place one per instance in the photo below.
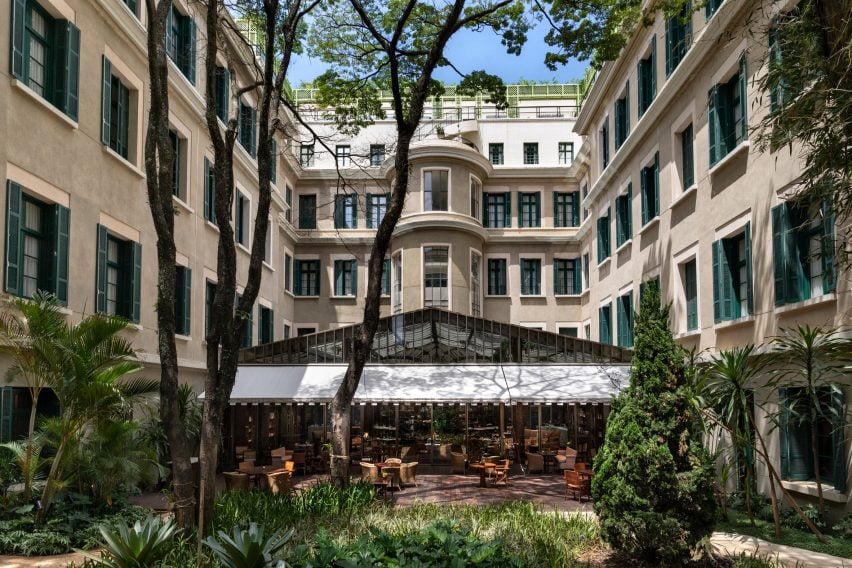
(209, 297)
(247, 128)
(288, 272)
(498, 210)
(342, 155)
(586, 271)
(119, 275)
(732, 289)
(803, 253)
(687, 160)
(209, 193)
(306, 278)
(377, 154)
(377, 206)
(603, 237)
(649, 177)
(530, 153)
(307, 211)
(288, 199)
(45, 55)
(435, 190)
(587, 331)
(605, 324)
(530, 277)
(131, 5)
(115, 112)
(345, 277)
(497, 277)
(286, 331)
(624, 217)
(36, 245)
(266, 332)
(678, 37)
(386, 277)
(647, 78)
(569, 331)
(566, 276)
(710, 7)
(622, 117)
(435, 277)
(179, 148)
(690, 292)
(300, 331)
(475, 198)
(495, 154)
(625, 320)
(529, 210)
(566, 153)
(797, 461)
(241, 228)
(475, 284)
(345, 212)
(604, 142)
(726, 116)
(223, 93)
(180, 42)
(566, 210)
(585, 194)
(397, 283)
(306, 155)
(183, 300)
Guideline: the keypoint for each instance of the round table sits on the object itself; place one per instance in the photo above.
(482, 467)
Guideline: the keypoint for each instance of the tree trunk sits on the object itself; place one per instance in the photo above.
(52, 481)
(815, 454)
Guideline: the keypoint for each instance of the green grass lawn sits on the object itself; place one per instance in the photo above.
(739, 523)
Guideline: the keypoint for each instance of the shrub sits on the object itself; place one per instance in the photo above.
(134, 547)
(653, 487)
(35, 543)
(248, 548)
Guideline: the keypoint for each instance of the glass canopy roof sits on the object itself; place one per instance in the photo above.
(432, 335)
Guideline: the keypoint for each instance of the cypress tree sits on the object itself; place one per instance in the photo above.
(653, 487)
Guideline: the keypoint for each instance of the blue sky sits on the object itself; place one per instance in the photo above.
(471, 51)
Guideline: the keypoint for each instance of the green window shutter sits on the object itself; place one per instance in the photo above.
(656, 185)
(575, 209)
(253, 141)
(354, 200)
(338, 212)
(838, 439)
(719, 283)
(653, 89)
(629, 216)
(641, 71)
(782, 433)
(101, 270)
(669, 43)
(643, 188)
(796, 460)
(354, 266)
(578, 277)
(208, 195)
(780, 226)
(713, 125)
(297, 277)
(14, 207)
(743, 131)
(106, 99)
(274, 157)
(338, 277)
(190, 49)
(829, 280)
(316, 264)
(62, 228)
(507, 209)
(369, 204)
(485, 222)
(18, 28)
(626, 111)
(621, 322)
(386, 277)
(749, 284)
(600, 240)
(537, 210)
(136, 285)
(186, 291)
(556, 222)
(68, 88)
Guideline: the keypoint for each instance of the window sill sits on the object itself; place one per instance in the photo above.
(46, 104)
(498, 296)
(647, 226)
(183, 204)
(603, 263)
(584, 292)
(289, 293)
(351, 298)
(211, 225)
(729, 157)
(532, 296)
(268, 266)
(829, 493)
(688, 334)
(123, 161)
(796, 306)
(185, 338)
(624, 245)
(728, 324)
(567, 295)
(242, 247)
(300, 297)
(685, 195)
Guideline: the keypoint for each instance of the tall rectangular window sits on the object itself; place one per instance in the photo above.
(397, 283)
(183, 300)
(377, 206)
(119, 276)
(530, 277)
(603, 237)
(45, 55)
(566, 210)
(566, 153)
(732, 281)
(345, 277)
(624, 217)
(342, 156)
(625, 320)
(690, 290)
(803, 253)
(435, 190)
(687, 159)
(495, 154)
(247, 128)
(345, 212)
(306, 278)
(386, 277)
(498, 210)
(497, 277)
(566, 276)
(209, 193)
(727, 115)
(586, 281)
(475, 285)
(115, 111)
(306, 155)
(529, 209)
(605, 324)
(377, 154)
(223, 93)
(179, 148)
(180, 42)
(288, 272)
(475, 198)
(307, 211)
(266, 332)
(678, 37)
(622, 117)
(530, 153)
(436, 277)
(243, 214)
(649, 178)
(288, 199)
(604, 143)
(647, 78)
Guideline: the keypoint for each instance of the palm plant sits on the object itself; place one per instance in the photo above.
(810, 361)
(249, 548)
(27, 456)
(134, 547)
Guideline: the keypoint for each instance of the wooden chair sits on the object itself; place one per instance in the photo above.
(501, 473)
(580, 466)
(369, 472)
(566, 458)
(535, 463)
(299, 461)
(408, 474)
(280, 482)
(236, 481)
(576, 485)
(458, 463)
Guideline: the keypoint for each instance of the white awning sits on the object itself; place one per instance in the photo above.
(432, 383)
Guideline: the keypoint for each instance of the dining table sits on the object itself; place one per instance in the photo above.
(483, 469)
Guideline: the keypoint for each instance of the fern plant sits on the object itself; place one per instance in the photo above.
(249, 548)
(134, 547)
